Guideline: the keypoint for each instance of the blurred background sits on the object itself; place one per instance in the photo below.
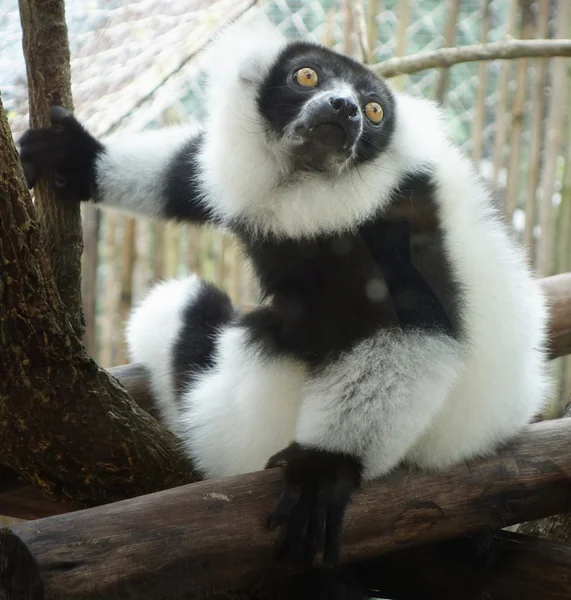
(137, 65)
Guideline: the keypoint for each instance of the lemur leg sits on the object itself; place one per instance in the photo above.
(173, 333)
(359, 416)
(244, 408)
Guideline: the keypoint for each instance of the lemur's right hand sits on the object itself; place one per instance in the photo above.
(65, 153)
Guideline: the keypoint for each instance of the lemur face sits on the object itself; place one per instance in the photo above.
(328, 111)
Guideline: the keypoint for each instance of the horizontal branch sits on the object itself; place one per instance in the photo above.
(557, 288)
(211, 536)
(447, 57)
(523, 567)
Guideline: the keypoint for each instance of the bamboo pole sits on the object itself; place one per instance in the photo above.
(401, 38)
(536, 131)
(502, 116)
(481, 93)
(449, 41)
(555, 127)
(517, 116)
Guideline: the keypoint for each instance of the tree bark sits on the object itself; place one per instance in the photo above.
(46, 50)
(556, 527)
(66, 425)
(212, 536)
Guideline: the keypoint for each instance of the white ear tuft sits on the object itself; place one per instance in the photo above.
(244, 50)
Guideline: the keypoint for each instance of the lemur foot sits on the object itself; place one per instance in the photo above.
(64, 152)
(318, 489)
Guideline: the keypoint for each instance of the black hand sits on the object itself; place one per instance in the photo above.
(65, 152)
(318, 488)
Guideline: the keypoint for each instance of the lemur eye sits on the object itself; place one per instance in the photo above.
(307, 77)
(374, 112)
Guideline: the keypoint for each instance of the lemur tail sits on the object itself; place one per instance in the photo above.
(172, 333)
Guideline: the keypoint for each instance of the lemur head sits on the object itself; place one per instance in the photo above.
(326, 110)
(300, 140)
(319, 111)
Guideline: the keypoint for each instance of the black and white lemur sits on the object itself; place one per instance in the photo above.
(400, 323)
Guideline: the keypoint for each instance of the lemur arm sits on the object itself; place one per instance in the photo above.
(359, 418)
(151, 173)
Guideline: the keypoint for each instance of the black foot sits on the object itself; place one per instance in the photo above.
(64, 152)
(318, 488)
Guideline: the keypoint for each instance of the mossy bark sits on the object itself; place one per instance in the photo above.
(65, 424)
(46, 50)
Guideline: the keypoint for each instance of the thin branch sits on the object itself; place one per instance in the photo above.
(536, 130)
(447, 57)
(481, 93)
(555, 126)
(401, 42)
(517, 117)
(449, 40)
(374, 8)
(360, 25)
(502, 115)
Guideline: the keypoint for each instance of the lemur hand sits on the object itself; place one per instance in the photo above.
(64, 152)
(318, 488)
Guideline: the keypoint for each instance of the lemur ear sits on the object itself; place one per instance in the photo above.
(246, 48)
(252, 71)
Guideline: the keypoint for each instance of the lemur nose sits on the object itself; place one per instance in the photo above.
(344, 107)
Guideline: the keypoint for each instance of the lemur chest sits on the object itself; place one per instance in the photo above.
(328, 293)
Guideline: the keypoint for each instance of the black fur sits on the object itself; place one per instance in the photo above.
(181, 189)
(408, 241)
(326, 293)
(281, 99)
(318, 488)
(65, 153)
(202, 319)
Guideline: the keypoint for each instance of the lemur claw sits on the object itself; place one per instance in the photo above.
(311, 509)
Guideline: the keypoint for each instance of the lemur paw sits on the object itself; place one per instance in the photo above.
(318, 489)
(64, 152)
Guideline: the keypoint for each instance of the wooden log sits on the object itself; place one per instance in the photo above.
(523, 567)
(558, 291)
(196, 540)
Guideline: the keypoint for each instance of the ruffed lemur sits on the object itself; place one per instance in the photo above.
(401, 324)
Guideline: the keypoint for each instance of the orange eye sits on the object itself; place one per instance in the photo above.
(307, 77)
(374, 112)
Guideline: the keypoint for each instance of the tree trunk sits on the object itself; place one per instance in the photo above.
(46, 50)
(66, 425)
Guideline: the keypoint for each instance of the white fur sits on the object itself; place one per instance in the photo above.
(250, 187)
(416, 397)
(130, 171)
(377, 400)
(242, 412)
(152, 330)
(505, 382)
